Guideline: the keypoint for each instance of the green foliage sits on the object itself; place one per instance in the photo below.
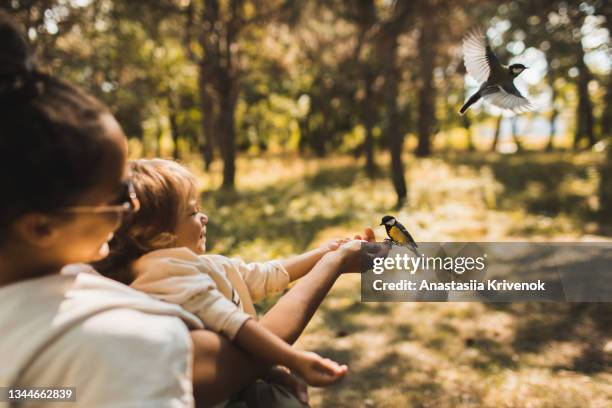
(313, 76)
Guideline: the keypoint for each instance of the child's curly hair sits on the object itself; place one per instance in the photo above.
(164, 189)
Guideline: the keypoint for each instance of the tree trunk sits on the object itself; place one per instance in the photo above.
(605, 184)
(553, 130)
(395, 137)
(368, 121)
(227, 131)
(553, 115)
(584, 114)
(606, 119)
(209, 68)
(158, 139)
(427, 91)
(467, 125)
(208, 117)
(515, 136)
(497, 132)
(174, 128)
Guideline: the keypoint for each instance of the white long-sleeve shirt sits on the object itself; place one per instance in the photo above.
(217, 289)
(118, 347)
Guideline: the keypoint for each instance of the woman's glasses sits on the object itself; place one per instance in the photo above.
(128, 204)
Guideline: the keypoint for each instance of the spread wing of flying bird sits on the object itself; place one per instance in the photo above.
(507, 97)
(483, 65)
(480, 60)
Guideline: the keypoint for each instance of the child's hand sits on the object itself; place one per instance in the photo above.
(368, 235)
(283, 376)
(334, 244)
(316, 370)
(350, 255)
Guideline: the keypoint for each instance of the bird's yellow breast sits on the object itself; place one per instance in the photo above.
(397, 235)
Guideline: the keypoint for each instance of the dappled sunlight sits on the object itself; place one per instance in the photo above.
(429, 354)
(467, 197)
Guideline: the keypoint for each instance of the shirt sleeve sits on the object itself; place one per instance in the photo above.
(183, 282)
(216, 311)
(262, 278)
(121, 358)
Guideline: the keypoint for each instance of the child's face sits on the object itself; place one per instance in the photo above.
(191, 228)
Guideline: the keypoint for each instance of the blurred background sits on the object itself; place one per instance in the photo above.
(309, 119)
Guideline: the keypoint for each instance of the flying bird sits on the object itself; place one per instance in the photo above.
(497, 80)
(398, 233)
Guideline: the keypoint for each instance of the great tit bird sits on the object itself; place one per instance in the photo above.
(398, 233)
(497, 80)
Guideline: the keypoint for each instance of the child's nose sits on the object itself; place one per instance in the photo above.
(203, 219)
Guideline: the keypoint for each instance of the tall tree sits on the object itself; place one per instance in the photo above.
(387, 48)
(604, 8)
(427, 53)
(498, 123)
(585, 119)
(214, 30)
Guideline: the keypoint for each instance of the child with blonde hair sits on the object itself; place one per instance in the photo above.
(161, 251)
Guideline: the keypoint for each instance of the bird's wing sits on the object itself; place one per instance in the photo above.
(507, 97)
(406, 233)
(480, 60)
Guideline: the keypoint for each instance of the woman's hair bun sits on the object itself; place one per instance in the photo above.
(19, 76)
(15, 55)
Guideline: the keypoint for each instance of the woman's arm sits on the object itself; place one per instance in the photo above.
(220, 368)
(290, 315)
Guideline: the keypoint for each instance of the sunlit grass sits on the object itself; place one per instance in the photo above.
(285, 204)
(427, 354)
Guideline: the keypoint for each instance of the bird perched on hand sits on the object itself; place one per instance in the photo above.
(497, 80)
(398, 233)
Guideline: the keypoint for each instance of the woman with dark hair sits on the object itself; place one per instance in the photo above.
(65, 190)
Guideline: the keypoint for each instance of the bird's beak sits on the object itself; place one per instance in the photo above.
(381, 223)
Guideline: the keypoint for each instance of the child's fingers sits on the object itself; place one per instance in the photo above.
(369, 234)
(331, 368)
(321, 378)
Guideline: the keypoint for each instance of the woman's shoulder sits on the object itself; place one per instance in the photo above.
(144, 359)
(66, 300)
(83, 321)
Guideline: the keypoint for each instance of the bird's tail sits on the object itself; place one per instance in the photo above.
(473, 99)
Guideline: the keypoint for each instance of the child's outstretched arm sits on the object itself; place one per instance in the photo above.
(263, 344)
(299, 265)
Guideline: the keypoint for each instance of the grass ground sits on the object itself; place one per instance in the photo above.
(429, 354)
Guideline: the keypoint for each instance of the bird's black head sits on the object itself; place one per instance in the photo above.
(388, 220)
(516, 69)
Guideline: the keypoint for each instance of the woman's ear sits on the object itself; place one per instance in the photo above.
(35, 229)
